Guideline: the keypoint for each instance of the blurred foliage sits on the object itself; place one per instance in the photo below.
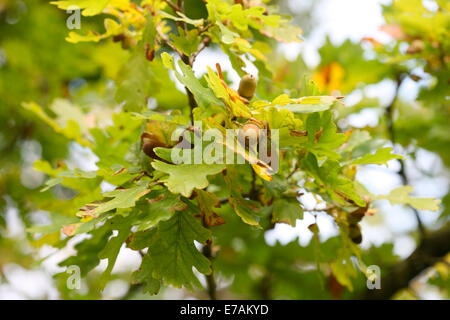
(64, 104)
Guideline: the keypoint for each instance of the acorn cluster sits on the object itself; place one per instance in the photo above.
(354, 229)
(249, 131)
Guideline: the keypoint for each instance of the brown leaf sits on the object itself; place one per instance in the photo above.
(69, 230)
(207, 201)
(298, 133)
(318, 134)
(394, 30)
(336, 289)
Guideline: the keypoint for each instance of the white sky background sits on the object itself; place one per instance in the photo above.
(341, 19)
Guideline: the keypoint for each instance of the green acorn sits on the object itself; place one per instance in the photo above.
(247, 86)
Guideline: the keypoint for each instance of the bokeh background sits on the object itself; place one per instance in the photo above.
(342, 39)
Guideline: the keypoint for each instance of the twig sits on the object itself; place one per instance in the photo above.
(319, 210)
(434, 245)
(138, 177)
(182, 24)
(205, 28)
(167, 43)
(173, 5)
(179, 7)
(266, 287)
(210, 280)
(253, 194)
(192, 103)
(293, 171)
(205, 42)
(391, 129)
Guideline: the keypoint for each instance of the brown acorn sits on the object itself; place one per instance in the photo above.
(149, 142)
(128, 42)
(249, 132)
(356, 216)
(118, 37)
(247, 86)
(355, 233)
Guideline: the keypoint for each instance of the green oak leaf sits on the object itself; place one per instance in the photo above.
(400, 195)
(204, 96)
(71, 126)
(112, 248)
(122, 198)
(184, 178)
(90, 7)
(381, 156)
(244, 209)
(58, 221)
(322, 136)
(82, 181)
(206, 202)
(145, 275)
(187, 42)
(357, 138)
(161, 205)
(238, 108)
(135, 87)
(285, 32)
(287, 211)
(328, 175)
(87, 250)
(171, 253)
(182, 17)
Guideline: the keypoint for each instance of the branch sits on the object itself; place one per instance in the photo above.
(433, 246)
(293, 171)
(205, 42)
(254, 193)
(173, 5)
(167, 42)
(265, 287)
(180, 4)
(391, 129)
(186, 59)
(210, 280)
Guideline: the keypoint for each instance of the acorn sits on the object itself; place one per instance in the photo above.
(356, 216)
(128, 42)
(355, 233)
(149, 142)
(249, 132)
(247, 86)
(118, 37)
